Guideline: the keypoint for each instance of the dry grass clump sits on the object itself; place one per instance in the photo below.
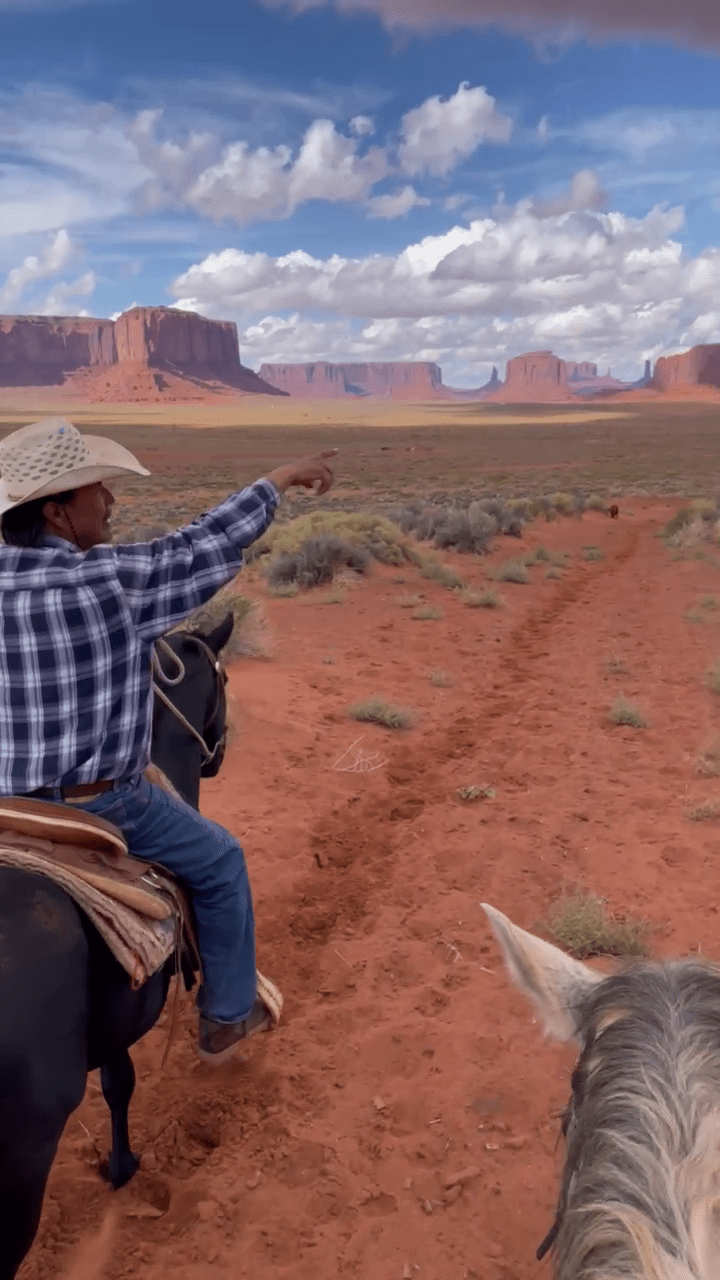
(709, 602)
(554, 572)
(409, 601)
(707, 763)
(316, 561)
(251, 635)
(615, 666)
(708, 811)
(593, 553)
(377, 710)
(582, 924)
(336, 596)
(695, 615)
(540, 555)
(487, 599)
(434, 571)
(625, 712)
(427, 613)
(563, 503)
(713, 678)
(596, 503)
(440, 679)
(694, 524)
(283, 589)
(511, 571)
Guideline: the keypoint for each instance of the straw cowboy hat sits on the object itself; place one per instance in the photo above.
(50, 456)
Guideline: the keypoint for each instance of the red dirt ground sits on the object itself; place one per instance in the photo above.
(404, 1059)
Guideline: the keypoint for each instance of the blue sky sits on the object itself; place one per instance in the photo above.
(370, 179)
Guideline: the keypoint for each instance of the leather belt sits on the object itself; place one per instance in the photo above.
(83, 791)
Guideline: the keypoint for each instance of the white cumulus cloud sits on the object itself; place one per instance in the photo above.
(396, 204)
(441, 132)
(50, 262)
(591, 285)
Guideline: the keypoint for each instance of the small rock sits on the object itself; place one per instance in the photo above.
(453, 1194)
(378, 1104)
(459, 1179)
(407, 1184)
(428, 1206)
(144, 1211)
(206, 1210)
(253, 1183)
(516, 1144)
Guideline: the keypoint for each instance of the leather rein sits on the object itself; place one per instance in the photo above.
(161, 676)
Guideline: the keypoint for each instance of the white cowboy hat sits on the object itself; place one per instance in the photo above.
(50, 456)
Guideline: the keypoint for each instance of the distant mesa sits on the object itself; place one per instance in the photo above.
(699, 367)
(321, 380)
(148, 353)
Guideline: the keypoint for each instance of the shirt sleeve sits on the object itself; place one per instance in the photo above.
(166, 579)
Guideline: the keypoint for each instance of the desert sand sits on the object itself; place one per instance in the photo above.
(402, 1121)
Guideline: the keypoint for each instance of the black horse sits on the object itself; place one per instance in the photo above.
(66, 1004)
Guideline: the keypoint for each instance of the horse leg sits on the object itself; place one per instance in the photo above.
(20, 1208)
(117, 1077)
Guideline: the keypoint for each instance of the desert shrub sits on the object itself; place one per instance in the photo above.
(281, 589)
(625, 712)
(581, 923)
(511, 571)
(593, 553)
(709, 602)
(539, 556)
(409, 601)
(596, 503)
(374, 534)
(563, 503)
(522, 507)
(476, 793)
(487, 599)
(377, 710)
(695, 615)
(615, 666)
(462, 531)
(337, 596)
(426, 613)
(316, 561)
(554, 572)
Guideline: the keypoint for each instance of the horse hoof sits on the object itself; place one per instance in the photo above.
(119, 1172)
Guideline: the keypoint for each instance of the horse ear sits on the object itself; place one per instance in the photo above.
(555, 984)
(219, 636)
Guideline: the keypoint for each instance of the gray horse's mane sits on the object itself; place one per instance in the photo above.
(640, 1193)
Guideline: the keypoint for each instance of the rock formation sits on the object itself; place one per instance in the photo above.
(580, 371)
(150, 351)
(401, 380)
(38, 351)
(695, 368)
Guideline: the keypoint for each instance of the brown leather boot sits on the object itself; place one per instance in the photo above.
(218, 1041)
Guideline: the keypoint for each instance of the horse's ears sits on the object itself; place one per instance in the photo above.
(555, 984)
(219, 636)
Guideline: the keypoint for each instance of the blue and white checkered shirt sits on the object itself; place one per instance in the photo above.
(76, 633)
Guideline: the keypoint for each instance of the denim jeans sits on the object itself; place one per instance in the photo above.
(168, 831)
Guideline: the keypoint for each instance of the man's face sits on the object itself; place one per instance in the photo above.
(85, 519)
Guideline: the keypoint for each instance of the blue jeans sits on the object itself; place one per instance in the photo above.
(168, 831)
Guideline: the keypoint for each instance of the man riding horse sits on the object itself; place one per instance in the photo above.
(78, 619)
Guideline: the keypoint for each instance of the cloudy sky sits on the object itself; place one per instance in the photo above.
(449, 180)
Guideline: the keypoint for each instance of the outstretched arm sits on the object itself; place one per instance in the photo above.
(166, 579)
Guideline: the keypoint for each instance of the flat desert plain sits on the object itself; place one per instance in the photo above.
(402, 1121)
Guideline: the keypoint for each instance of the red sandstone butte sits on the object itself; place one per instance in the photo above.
(38, 351)
(537, 375)
(695, 368)
(399, 380)
(147, 353)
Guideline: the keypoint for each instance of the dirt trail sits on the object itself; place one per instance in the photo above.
(402, 1121)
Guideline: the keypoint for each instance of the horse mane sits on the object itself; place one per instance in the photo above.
(640, 1192)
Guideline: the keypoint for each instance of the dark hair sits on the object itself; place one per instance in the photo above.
(25, 526)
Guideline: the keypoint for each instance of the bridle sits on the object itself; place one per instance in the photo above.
(220, 681)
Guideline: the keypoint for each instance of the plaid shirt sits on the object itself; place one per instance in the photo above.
(76, 634)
